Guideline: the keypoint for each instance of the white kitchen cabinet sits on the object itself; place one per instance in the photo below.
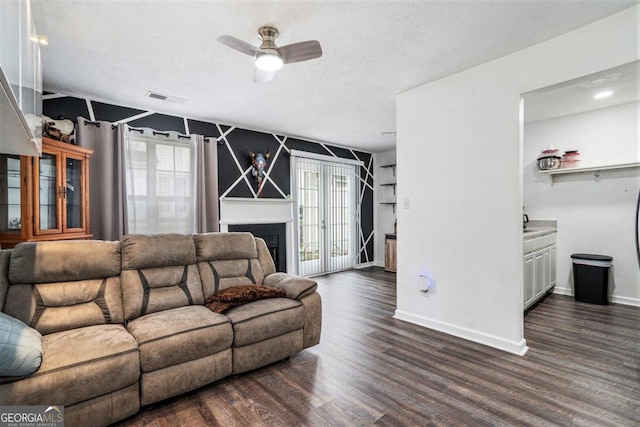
(540, 261)
(539, 275)
(529, 277)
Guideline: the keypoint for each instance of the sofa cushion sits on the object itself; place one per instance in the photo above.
(226, 260)
(77, 365)
(260, 320)
(20, 347)
(158, 273)
(223, 274)
(296, 287)
(41, 262)
(157, 250)
(151, 290)
(179, 335)
(54, 307)
(225, 246)
(238, 295)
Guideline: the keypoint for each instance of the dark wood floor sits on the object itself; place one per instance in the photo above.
(582, 369)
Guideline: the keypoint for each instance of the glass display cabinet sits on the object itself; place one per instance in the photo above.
(47, 197)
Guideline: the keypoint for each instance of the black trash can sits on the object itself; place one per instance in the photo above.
(591, 278)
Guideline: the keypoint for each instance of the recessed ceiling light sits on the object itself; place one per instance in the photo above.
(601, 95)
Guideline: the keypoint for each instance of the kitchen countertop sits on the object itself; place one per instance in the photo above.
(531, 232)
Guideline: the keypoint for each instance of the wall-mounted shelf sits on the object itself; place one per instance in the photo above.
(390, 184)
(393, 204)
(393, 165)
(595, 169)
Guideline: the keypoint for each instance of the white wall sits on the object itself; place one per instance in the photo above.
(384, 214)
(594, 214)
(460, 167)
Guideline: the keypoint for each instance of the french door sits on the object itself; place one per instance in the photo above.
(326, 215)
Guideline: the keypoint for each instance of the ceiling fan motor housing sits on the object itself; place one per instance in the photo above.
(269, 36)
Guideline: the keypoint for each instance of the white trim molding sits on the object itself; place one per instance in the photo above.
(514, 347)
(316, 156)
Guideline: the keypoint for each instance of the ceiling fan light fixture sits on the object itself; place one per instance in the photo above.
(269, 61)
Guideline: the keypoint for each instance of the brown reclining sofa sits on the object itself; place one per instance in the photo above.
(124, 324)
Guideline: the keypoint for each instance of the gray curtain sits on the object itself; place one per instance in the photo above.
(207, 216)
(107, 195)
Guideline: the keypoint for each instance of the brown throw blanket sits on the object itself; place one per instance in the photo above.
(235, 296)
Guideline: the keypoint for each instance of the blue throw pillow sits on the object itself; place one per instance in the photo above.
(20, 348)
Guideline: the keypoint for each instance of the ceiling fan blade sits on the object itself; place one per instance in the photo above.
(262, 76)
(302, 51)
(239, 45)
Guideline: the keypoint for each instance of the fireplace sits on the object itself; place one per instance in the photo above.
(274, 235)
(243, 214)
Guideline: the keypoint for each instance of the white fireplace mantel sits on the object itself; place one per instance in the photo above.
(241, 210)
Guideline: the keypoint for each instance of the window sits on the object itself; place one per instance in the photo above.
(160, 182)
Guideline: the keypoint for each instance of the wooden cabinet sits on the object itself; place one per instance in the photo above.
(390, 253)
(47, 197)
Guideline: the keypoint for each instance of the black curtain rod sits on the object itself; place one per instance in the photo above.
(161, 133)
(136, 130)
(96, 124)
(184, 136)
(209, 138)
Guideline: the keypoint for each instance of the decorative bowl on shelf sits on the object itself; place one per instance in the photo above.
(548, 163)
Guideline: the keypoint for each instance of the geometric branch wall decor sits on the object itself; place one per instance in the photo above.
(234, 163)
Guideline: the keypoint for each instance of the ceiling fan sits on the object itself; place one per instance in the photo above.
(269, 57)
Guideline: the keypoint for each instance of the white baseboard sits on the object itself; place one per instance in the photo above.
(626, 301)
(519, 347)
(614, 298)
(563, 291)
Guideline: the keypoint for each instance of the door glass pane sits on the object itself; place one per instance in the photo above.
(73, 193)
(10, 212)
(309, 220)
(339, 212)
(48, 197)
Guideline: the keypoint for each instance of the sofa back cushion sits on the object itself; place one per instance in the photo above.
(158, 273)
(55, 286)
(226, 260)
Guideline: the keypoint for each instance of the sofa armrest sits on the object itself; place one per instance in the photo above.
(296, 287)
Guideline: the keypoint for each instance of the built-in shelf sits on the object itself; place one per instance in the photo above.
(595, 169)
(393, 204)
(390, 184)
(392, 165)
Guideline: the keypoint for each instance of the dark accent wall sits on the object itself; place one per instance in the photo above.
(234, 147)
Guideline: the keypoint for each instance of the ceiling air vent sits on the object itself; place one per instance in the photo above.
(167, 98)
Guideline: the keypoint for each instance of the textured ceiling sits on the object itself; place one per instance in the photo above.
(117, 51)
(577, 95)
